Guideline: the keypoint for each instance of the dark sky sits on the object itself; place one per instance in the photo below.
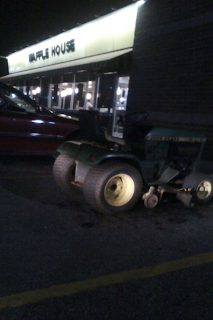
(25, 22)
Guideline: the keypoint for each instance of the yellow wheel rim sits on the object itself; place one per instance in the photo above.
(204, 189)
(119, 190)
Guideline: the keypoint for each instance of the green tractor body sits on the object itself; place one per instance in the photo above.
(162, 157)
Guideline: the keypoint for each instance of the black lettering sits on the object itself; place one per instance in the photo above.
(63, 49)
(53, 51)
(68, 49)
(39, 54)
(70, 46)
(58, 50)
(47, 53)
(31, 57)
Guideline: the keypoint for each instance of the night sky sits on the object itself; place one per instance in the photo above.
(26, 22)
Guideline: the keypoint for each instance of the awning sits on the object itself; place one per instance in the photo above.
(85, 64)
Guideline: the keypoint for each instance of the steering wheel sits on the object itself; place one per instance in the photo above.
(132, 119)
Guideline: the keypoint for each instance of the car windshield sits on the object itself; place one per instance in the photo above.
(10, 101)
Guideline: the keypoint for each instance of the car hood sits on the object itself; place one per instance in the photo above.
(66, 116)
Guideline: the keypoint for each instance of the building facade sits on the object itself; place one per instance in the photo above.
(86, 67)
(154, 56)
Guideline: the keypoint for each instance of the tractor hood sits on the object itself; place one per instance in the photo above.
(175, 134)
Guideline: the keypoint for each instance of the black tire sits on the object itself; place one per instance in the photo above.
(201, 185)
(64, 172)
(112, 187)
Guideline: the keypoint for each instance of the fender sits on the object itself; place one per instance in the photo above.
(93, 155)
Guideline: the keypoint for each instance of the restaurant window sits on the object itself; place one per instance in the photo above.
(79, 95)
(84, 91)
(65, 91)
(90, 95)
(73, 91)
(20, 85)
(44, 93)
(55, 92)
(106, 92)
(55, 89)
(84, 95)
(120, 106)
(122, 93)
(66, 95)
(34, 90)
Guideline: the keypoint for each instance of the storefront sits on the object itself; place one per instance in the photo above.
(86, 67)
(158, 55)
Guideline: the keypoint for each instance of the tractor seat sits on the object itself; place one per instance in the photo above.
(91, 128)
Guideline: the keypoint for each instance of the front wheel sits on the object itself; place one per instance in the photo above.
(64, 172)
(112, 187)
(201, 185)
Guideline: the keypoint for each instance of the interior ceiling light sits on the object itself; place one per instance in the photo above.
(89, 96)
(69, 91)
(63, 93)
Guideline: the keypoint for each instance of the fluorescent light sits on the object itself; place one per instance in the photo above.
(140, 2)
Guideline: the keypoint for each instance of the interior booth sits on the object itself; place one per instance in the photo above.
(84, 68)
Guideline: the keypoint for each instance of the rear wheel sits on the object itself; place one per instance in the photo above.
(201, 185)
(112, 187)
(64, 172)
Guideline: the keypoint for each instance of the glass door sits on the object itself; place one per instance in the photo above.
(120, 106)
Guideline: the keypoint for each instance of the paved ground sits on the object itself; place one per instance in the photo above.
(62, 260)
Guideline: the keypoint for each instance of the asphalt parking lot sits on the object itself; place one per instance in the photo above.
(62, 260)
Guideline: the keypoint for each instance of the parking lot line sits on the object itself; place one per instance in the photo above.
(58, 291)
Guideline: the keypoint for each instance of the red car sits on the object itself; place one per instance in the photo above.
(28, 127)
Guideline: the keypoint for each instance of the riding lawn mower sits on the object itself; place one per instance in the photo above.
(147, 162)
